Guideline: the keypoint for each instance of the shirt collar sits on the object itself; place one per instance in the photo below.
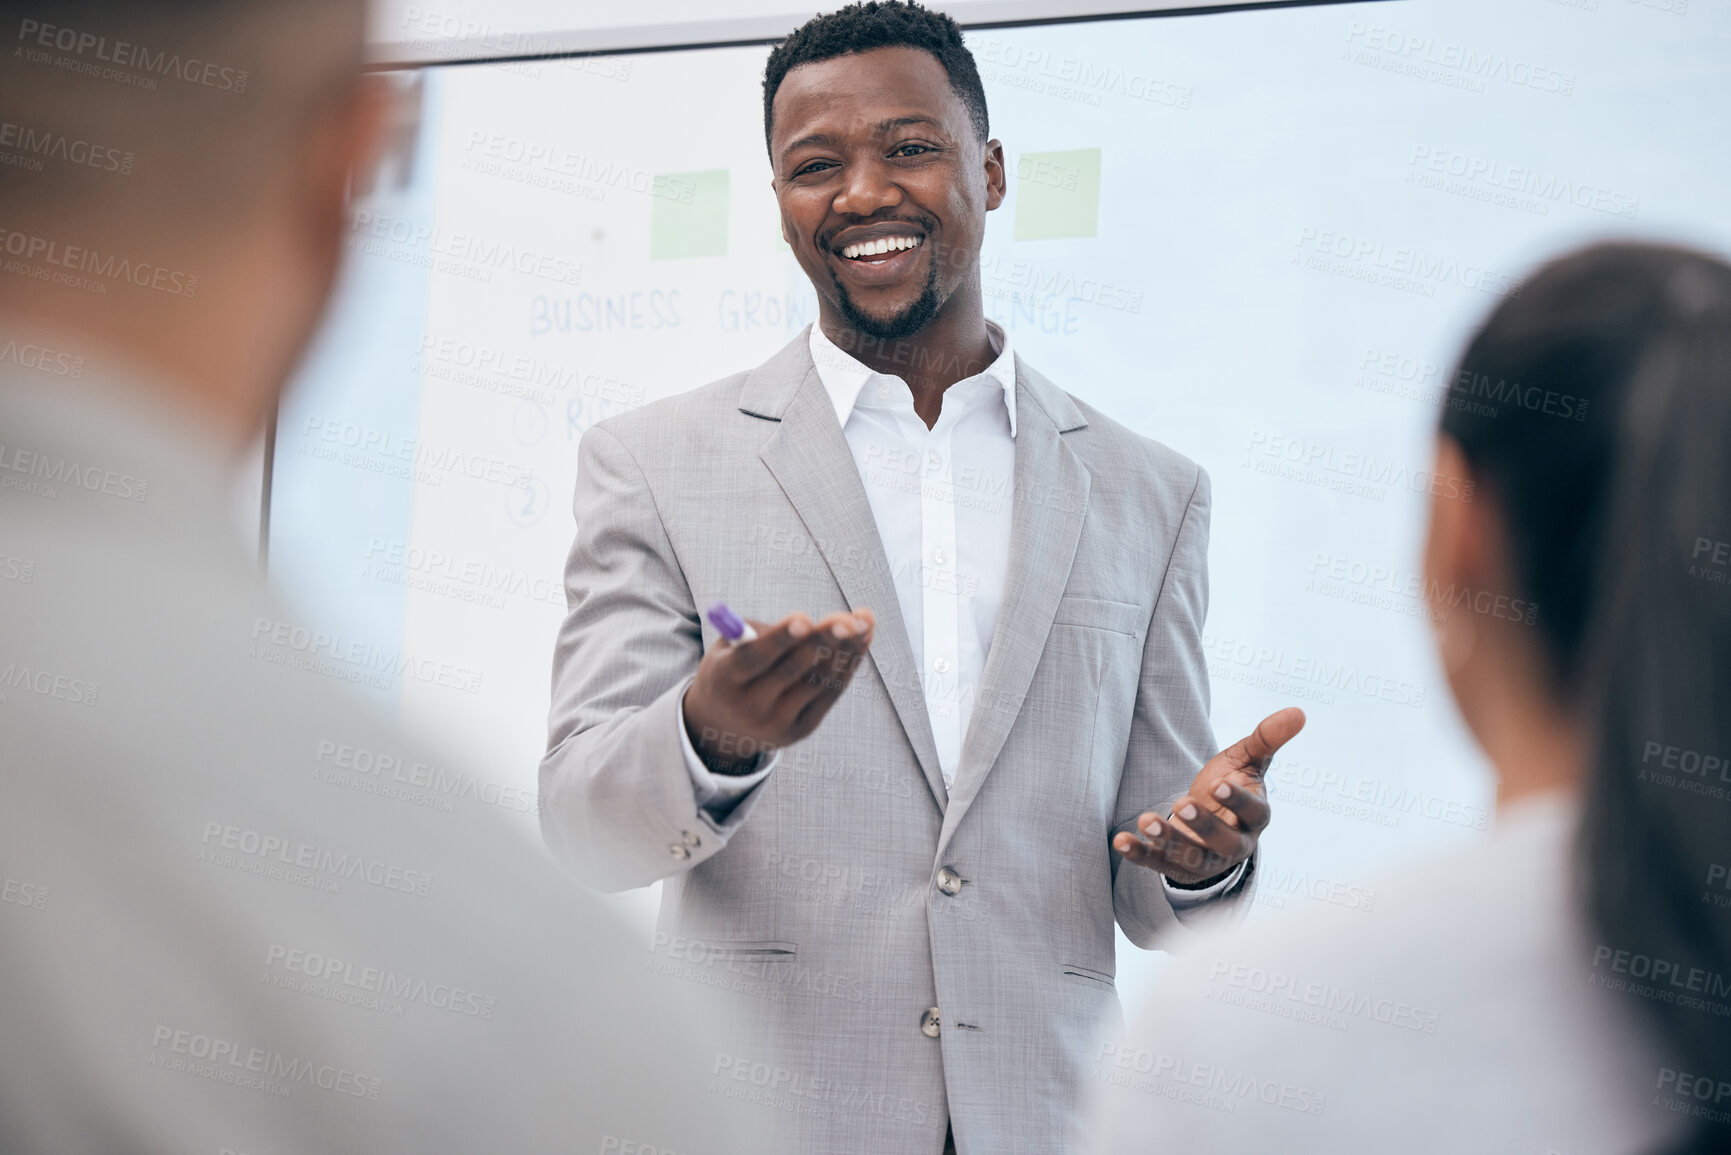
(844, 376)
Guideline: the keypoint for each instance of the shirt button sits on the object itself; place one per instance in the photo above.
(937, 462)
(678, 850)
(937, 557)
(941, 665)
(929, 1025)
(949, 881)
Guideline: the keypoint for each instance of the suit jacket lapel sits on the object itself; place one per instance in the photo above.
(811, 460)
(1051, 497)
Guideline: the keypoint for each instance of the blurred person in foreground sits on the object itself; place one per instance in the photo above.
(225, 927)
(1564, 985)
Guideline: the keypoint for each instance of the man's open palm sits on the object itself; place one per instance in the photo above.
(1215, 825)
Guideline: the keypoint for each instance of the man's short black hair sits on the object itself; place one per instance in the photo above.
(879, 24)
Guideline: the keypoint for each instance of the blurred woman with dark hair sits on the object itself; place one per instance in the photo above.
(1565, 985)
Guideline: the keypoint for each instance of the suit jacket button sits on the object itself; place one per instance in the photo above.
(678, 850)
(690, 838)
(949, 881)
(929, 1024)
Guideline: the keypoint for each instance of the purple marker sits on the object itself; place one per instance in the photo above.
(729, 624)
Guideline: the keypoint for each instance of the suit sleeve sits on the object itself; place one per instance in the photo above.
(618, 806)
(1170, 735)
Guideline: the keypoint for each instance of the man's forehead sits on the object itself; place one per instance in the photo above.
(866, 93)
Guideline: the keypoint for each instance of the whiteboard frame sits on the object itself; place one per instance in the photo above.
(508, 47)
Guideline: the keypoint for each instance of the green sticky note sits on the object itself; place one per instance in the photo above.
(689, 215)
(1058, 194)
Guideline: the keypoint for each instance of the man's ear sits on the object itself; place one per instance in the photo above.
(997, 177)
(787, 240)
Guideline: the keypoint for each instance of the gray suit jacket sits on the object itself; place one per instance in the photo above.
(817, 901)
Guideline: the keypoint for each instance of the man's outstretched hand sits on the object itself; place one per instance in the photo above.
(1215, 825)
(750, 698)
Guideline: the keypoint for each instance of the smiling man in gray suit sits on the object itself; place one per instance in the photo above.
(917, 900)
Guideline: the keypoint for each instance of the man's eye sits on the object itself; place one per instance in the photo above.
(902, 150)
(814, 166)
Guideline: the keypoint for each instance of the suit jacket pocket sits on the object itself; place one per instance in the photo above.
(1099, 614)
(1088, 975)
(721, 950)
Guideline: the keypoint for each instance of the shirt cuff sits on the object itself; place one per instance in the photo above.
(1182, 899)
(718, 793)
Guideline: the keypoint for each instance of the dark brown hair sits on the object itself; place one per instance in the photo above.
(1595, 408)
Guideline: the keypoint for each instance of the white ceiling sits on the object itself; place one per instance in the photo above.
(430, 31)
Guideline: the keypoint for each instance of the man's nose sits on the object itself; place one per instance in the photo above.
(867, 188)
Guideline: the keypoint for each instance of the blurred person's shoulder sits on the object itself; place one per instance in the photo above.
(1413, 1004)
(259, 909)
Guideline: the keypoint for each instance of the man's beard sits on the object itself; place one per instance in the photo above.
(905, 323)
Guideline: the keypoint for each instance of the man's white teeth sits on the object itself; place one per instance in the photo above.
(881, 245)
